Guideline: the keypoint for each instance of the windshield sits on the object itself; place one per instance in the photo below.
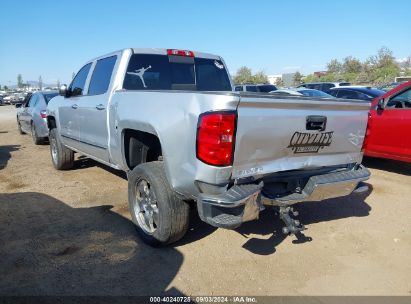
(374, 92)
(314, 93)
(161, 72)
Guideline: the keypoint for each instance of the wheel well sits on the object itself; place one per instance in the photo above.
(140, 147)
(51, 122)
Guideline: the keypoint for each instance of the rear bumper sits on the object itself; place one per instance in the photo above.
(242, 203)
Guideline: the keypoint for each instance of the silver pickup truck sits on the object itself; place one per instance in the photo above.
(170, 119)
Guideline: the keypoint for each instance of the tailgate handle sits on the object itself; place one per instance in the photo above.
(315, 122)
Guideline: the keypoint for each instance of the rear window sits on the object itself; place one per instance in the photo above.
(161, 72)
(49, 96)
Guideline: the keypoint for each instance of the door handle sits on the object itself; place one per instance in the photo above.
(100, 107)
(74, 106)
(314, 122)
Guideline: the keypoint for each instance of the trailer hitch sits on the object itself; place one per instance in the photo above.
(292, 226)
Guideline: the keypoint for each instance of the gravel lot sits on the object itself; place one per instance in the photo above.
(69, 233)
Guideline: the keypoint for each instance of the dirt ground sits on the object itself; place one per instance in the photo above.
(69, 233)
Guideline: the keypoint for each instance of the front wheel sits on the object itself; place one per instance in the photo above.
(160, 216)
(61, 156)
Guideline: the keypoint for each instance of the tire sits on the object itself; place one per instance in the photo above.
(172, 217)
(36, 140)
(19, 128)
(61, 156)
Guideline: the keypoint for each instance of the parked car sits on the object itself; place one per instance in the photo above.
(170, 119)
(1, 100)
(262, 88)
(31, 116)
(302, 92)
(356, 92)
(389, 86)
(7, 99)
(388, 132)
(323, 86)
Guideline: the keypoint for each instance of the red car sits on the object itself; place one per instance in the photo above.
(389, 126)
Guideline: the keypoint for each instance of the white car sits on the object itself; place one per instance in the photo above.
(7, 99)
(302, 92)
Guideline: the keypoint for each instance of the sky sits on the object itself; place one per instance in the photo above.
(54, 38)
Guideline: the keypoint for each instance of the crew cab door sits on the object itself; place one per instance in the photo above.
(92, 112)
(25, 114)
(68, 111)
(389, 129)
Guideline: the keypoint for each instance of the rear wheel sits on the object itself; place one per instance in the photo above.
(61, 156)
(19, 127)
(37, 140)
(160, 216)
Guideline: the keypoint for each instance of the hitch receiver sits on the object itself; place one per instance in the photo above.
(292, 226)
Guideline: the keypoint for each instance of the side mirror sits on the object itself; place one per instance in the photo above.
(18, 105)
(381, 104)
(63, 90)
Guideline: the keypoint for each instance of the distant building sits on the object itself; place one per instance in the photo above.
(402, 78)
(272, 79)
(288, 79)
(320, 73)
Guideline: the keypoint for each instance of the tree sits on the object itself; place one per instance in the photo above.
(6, 88)
(334, 66)
(243, 75)
(351, 65)
(297, 78)
(279, 82)
(19, 81)
(260, 77)
(40, 83)
(0, 86)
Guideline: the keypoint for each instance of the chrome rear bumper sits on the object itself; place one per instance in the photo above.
(321, 187)
(242, 203)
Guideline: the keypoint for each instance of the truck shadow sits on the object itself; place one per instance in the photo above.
(83, 162)
(5, 154)
(309, 213)
(50, 248)
(388, 165)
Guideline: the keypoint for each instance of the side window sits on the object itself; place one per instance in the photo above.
(402, 100)
(364, 96)
(102, 75)
(251, 88)
(36, 101)
(333, 93)
(32, 101)
(347, 94)
(327, 86)
(77, 85)
(316, 87)
(238, 88)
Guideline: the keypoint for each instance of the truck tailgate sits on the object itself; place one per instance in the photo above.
(287, 133)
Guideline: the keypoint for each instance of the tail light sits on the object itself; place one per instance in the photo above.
(180, 53)
(367, 133)
(43, 114)
(216, 138)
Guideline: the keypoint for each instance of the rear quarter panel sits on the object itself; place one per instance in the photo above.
(172, 116)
